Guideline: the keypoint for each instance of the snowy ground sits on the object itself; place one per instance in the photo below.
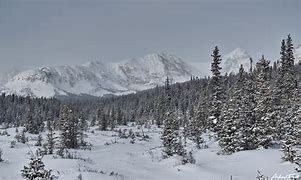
(115, 158)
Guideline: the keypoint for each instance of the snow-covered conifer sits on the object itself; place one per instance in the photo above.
(68, 128)
(171, 136)
(264, 126)
(216, 88)
(102, 119)
(35, 170)
(50, 142)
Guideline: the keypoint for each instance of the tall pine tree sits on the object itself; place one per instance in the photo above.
(216, 88)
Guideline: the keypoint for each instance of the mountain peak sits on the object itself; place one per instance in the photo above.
(159, 56)
(233, 60)
(93, 63)
(237, 52)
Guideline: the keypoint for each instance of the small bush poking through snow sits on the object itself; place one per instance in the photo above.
(12, 144)
(1, 153)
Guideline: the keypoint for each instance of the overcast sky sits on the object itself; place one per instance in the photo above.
(57, 32)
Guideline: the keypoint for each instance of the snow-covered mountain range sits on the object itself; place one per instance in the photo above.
(98, 78)
(232, 61)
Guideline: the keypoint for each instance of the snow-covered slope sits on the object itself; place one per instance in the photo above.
(114, 158)
(232, 61)
(98, 78)
(297, 53)
(8, 75)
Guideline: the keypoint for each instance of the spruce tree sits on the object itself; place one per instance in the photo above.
(102, 119)
(290, 138)
(248, 139)
(160, 110)
(197, 124)
(286, 101)
(298, 127)
(119, 116)
(216, 88)
(68, 128)
(31, 123)
(112, 119)
(171, 136)
(286, 90)
(50, 142)
(35, 170)
(234, 132)
(49, 120)
(264, 126)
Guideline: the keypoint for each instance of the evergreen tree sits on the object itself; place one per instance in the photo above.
(248, 139)
(31, 124)
(186, 127)
(291, 135)
(171, 137)
(38, 120)
(35, 170)
(287, 107)
(265, 125)
(216, 88)
(160, 110)
(234, 132)
(68, 127)
(289, 153)
(229, 134)
(197, 124)
(102, 119)
(286, 88)
(49, 120)
(119, 117)
(298, 127)
(50, 142)
(112, 119)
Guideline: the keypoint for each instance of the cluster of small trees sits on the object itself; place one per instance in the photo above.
(259, 109)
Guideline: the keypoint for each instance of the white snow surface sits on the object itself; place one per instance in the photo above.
(98, 78)
(297, 53)
(232, 61)
(142, 160)
(8, 75)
